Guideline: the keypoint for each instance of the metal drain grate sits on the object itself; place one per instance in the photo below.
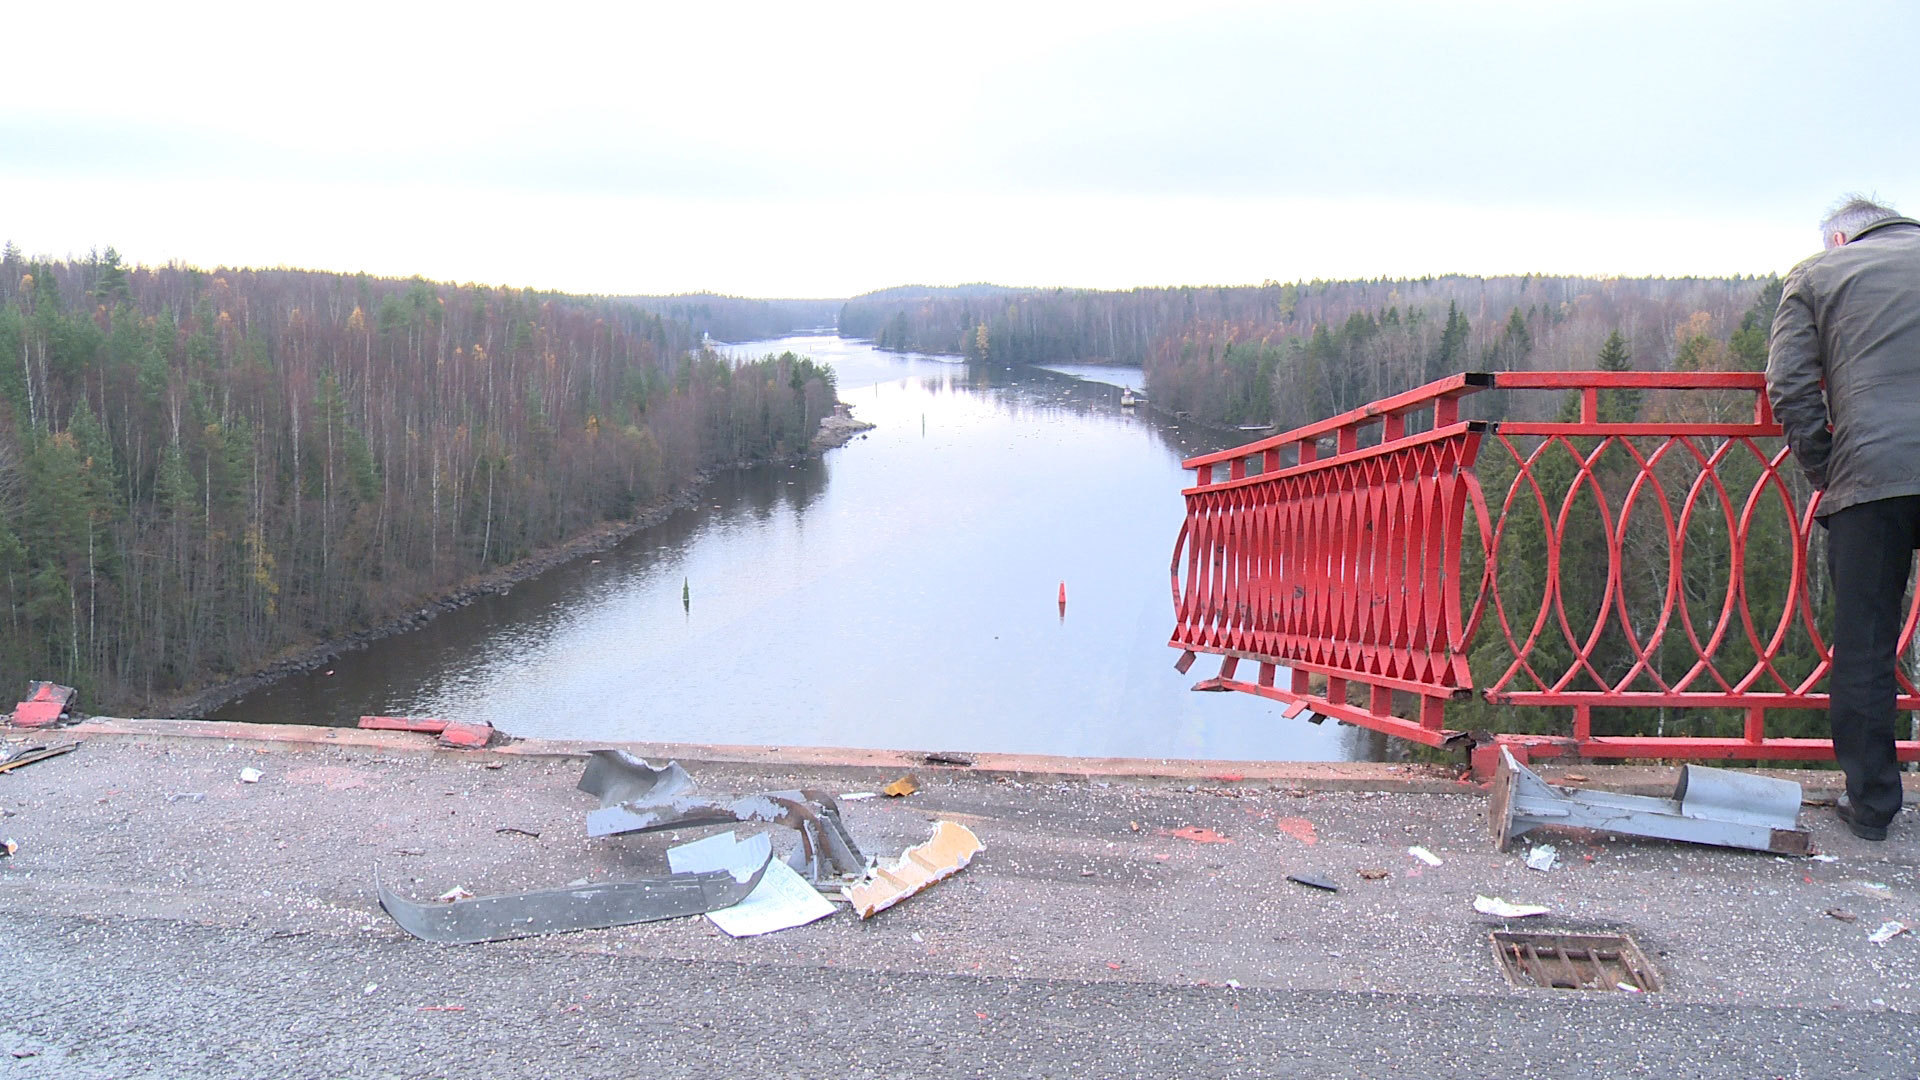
(1574, 961)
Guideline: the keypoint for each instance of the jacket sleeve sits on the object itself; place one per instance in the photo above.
(1795, 369)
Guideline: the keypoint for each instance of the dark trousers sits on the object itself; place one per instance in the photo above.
(1869, 555)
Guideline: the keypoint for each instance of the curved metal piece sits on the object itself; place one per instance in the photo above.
(587, 907)
(615, 776)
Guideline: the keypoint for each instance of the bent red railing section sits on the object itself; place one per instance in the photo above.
(1529, 571)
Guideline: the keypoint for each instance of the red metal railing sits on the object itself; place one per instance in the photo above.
(1363, 554)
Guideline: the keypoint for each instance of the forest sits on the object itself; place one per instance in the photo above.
(200, 470)
(1285, 354)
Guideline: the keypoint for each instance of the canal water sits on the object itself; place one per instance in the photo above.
(899, 593)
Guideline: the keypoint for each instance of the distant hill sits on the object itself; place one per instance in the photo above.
(739, 318)
(1289, 353)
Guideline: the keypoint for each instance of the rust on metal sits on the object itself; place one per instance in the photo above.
(1362, 553)
(1611, 962)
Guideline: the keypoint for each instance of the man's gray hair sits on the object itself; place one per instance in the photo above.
(1851, 216)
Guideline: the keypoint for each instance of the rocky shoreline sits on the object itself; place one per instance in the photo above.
(836, 429)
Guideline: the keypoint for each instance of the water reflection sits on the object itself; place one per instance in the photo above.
(900, 592)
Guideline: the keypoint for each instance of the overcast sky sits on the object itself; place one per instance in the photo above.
(826, 149)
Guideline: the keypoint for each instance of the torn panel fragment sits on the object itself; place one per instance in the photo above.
(951, 848)
(587, 907)
(637, 797)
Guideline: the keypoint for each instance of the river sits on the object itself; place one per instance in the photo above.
(898, 593)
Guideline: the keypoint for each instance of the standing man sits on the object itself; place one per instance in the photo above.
(1850, 318)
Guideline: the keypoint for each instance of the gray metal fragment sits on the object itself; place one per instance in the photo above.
(615, 776)
(585, 907)
(1722, 807)
(637, 797)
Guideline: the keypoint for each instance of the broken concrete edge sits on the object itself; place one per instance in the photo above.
(880, 765)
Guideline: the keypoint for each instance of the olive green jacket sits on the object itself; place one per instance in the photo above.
(1845, 352)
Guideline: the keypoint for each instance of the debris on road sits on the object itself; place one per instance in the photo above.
(1196, 835)
(1313, 882)
(1874, 889)
(1888, 930)
(781, 901)
(8, 847)
(1424, 855)
(902, 787)
(186, 796)
(458, 892)
(1722, 807)
(858, 796)
(1842, 914)
(44, 704)
(250, 775)
(27, 755)
(578, 907)
(1372, 875)
(1826, 858)
(1501, 909)
(1543, 857)
(1299, 828)
(950, 849)
(466, 736)
(517, 831)
(948, 757)
(638, 797)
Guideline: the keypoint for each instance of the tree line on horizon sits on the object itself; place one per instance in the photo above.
(200, 470)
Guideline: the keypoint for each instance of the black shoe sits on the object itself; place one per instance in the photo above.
(1844, 810)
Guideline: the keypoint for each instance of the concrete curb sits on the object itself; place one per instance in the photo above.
(1370, 776)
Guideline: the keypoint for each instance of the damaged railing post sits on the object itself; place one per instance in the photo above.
(1709, 806)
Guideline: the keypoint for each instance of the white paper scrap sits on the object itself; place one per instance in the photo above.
(1544, 857)
(857, 796)
(1889, 930)
(781, 901)
(1826, 858)
(1500, 909)
(250, 776)
(1424, 855)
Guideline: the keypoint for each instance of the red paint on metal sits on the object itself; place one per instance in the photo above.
(466, 736)
(33, 714)
(1348, 567)
(426, 724)
(44, 703)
